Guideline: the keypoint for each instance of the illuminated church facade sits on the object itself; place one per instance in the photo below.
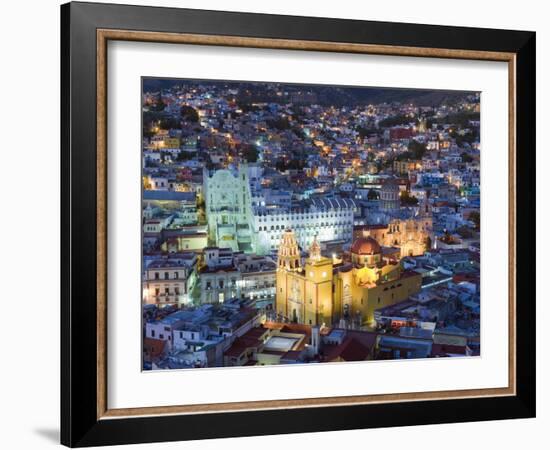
(413, 236)
(303, 292)
(318, 292)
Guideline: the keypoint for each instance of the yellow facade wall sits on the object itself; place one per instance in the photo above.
(314, 297)
(268, 359)
(171, 142)
(190, 242)
(306, 295)
(367, 300)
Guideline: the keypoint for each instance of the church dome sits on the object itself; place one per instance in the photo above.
(366, 246)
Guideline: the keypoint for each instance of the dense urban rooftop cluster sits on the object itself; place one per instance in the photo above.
(293, 224)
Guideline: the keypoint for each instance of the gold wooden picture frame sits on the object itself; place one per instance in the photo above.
(87, 23)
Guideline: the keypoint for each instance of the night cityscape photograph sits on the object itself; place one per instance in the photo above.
(294, 224)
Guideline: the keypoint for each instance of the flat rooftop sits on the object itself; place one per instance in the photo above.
(280, 344)
(337, 333)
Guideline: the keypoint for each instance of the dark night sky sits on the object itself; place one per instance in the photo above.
(348, 95)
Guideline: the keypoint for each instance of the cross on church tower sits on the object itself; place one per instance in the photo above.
(315, 250)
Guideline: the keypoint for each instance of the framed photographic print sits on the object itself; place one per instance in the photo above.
(277, 224)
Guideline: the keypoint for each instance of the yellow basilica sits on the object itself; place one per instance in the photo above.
(319, 292)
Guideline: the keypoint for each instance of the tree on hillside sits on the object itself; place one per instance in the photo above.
(394, 121)
(474, 217)
(184, 156)
(428, 243)
(373, 195)
(465, 232)
(250, 153)
(407, 199)
(189, 113)
(417, 149)
(158, 106)
(281, 123)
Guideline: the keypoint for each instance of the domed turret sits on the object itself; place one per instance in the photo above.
(315, 250)
(365, 251)
(366, 246)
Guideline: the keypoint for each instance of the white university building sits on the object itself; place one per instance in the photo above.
(237, 223)
(328, 219)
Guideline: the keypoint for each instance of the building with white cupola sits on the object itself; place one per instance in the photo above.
(229, 208)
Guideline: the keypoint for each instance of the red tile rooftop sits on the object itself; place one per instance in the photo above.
(444, 349)
(273, 325)
(296, 328)
(292, 355)
(255, 333)
(367, 338)
(471, 277)
(235, 350)
(350, 350)
(153, 347)
(240, 346)
(251, 339)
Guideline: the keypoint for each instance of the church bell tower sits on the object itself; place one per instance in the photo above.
(288, 257)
